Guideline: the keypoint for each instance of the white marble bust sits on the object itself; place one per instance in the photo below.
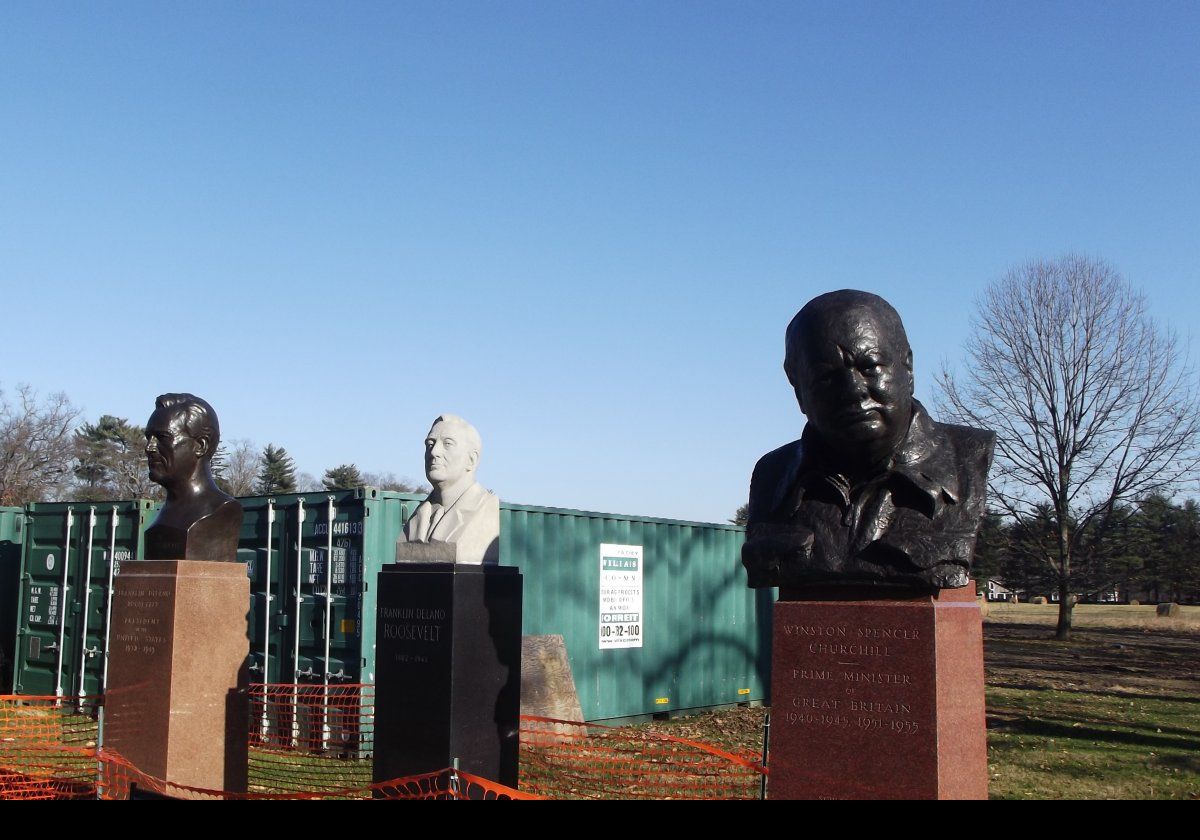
(459, 510)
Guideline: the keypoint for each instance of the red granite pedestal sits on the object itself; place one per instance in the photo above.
(174, 706)
(878, 697)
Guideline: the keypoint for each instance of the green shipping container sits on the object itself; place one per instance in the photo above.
(12, 534)
(655, 613)
(286, 542)
(70, 553)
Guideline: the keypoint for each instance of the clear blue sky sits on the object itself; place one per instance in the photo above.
(583, 226)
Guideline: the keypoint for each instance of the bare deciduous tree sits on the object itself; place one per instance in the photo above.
(389, 481)
(235, 466)
(36, 445)
(1091, 401)
(307, 483)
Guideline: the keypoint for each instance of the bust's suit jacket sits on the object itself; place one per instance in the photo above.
(472, 524)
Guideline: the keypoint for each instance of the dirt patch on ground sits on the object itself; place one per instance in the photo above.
(1112, 661)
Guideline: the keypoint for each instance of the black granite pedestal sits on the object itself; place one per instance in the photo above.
(448, 670)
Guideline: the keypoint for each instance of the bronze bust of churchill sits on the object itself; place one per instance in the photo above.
(875, 492)
(197, 521)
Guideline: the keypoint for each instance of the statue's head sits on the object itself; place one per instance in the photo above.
(181, 437)
(850, 364)
(452, 450)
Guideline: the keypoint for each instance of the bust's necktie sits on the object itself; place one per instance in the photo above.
(435, 516)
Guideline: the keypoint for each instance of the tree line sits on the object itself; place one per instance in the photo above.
(47, 455)
(1147, 551)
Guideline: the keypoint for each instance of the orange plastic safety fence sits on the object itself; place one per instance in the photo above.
(316, 742)
(311, 738)
(120, 780)
(449, 784)
(48, 750)
(571, 760)
(44, 748)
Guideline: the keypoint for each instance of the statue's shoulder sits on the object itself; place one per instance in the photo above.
(479, 497)
(779, 460)
(773, 477)
(973, 447)
(490, 499)
(223, 500)
(223, 512)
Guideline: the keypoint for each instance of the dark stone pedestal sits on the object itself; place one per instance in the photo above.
(878, 696)
(448, 670)
(176, 704)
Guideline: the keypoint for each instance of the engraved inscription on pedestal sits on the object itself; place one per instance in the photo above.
(853, 677)
(855, 698)
(410, 632)
(140, 659)
(878, 699)
(142, 630)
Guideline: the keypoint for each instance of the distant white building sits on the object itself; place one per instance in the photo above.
(997, 591)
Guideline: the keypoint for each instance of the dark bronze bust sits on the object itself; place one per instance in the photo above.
(875, 492)
(197, 521)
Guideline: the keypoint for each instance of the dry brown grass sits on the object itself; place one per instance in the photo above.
(1096, 617)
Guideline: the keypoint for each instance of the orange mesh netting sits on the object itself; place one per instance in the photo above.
(120, 779)
(311, 738)
(307, 739)
(47, 748)
(300, 748)
(316, 742)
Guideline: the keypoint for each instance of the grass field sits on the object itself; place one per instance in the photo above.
(1095, 616)
(1112, 714)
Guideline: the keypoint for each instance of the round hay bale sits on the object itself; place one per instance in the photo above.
(1168, 611)
(1038, 599)
(1135, 603)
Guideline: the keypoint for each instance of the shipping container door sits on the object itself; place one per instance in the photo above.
(12, 538)
(263, 547)
(47, 642)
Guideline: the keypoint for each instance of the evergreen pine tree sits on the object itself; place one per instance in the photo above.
(342, 477)
(277, 472)
(110, 461)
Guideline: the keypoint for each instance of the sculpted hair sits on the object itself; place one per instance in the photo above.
(200, 419)
(473, 439)
(822, 308)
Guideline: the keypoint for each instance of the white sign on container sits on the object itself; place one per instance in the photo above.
(620, 596)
